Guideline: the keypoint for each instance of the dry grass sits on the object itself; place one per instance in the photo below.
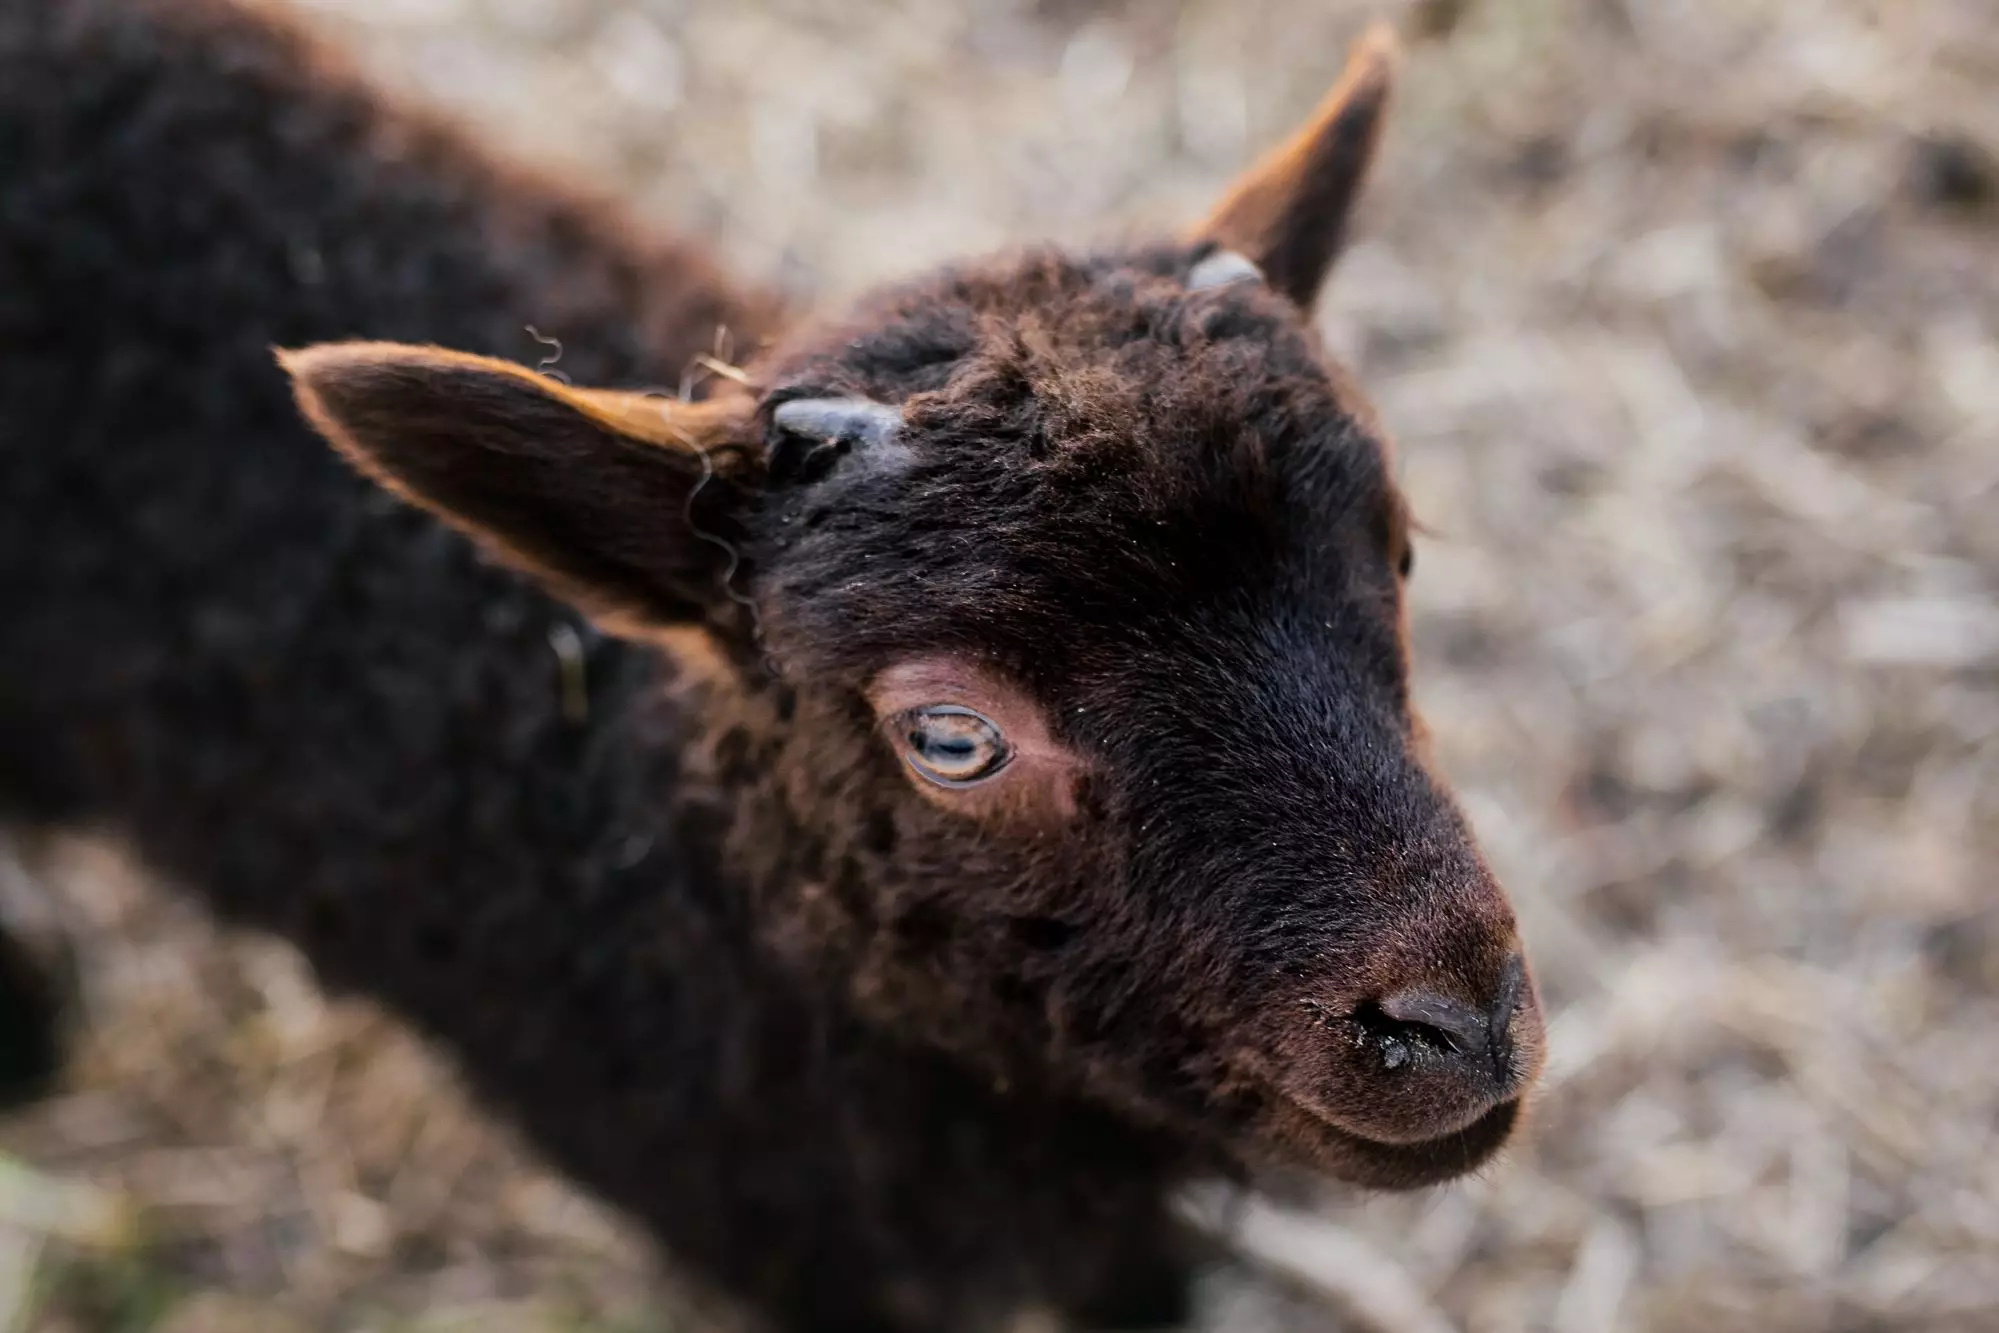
(1686, 315)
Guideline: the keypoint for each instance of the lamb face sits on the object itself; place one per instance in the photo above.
(1103, 648)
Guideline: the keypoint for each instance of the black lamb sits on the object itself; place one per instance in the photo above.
(884, 824)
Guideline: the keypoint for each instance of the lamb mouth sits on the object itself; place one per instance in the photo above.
(1373, 1164)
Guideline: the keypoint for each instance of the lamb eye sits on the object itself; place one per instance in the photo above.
(1407, 564)
(952, 746)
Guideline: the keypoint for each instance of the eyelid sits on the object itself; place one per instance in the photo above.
(958, 784)
(950, 710)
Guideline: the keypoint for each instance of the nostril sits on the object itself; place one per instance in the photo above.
(1438, 1020)
(1391, 1037)
(1471, 1032)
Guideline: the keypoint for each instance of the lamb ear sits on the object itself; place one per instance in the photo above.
(586, 491)
(1288, 214)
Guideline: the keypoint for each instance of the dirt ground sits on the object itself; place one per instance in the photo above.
(1685, 314)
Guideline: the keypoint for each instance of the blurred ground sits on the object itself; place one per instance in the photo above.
(1686, 315)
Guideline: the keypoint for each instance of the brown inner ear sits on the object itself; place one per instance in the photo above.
(586, 491)
(1288, 214)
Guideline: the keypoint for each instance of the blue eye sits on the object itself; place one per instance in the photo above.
(952, 746)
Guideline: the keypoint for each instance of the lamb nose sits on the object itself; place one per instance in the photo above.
(1465, 1029)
